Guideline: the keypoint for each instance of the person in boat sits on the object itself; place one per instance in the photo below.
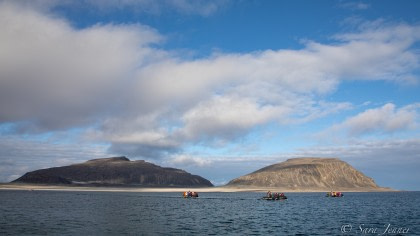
(282, 195)
(189, 193)
(269, 195)
(276, 195)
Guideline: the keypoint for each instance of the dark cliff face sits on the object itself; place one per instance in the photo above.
(307, 173)
(115, 171)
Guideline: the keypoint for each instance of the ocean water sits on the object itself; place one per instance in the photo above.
(127, 213)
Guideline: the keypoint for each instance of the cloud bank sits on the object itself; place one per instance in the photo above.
(115, 81)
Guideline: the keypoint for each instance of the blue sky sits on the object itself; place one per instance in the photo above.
(217, 88)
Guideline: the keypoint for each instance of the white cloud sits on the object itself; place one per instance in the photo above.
(59, 77)
(376, 150)
(201, 7)
(354, 5)
(188, 160)
(224, 117)
(383, 120)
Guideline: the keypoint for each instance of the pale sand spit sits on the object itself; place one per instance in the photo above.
(29, 187)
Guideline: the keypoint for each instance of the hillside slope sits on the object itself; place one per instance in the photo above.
(307, 173)
(114, 171)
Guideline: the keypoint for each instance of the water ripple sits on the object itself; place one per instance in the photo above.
(111, 213)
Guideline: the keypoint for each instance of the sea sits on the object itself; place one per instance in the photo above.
(241, 213)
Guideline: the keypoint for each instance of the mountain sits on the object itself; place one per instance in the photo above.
(323, 174)
(114, 171)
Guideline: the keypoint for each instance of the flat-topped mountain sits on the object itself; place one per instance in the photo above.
(115, 171)
(322, 174)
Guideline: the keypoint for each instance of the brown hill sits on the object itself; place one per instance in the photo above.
(322, 174)
(114, 171)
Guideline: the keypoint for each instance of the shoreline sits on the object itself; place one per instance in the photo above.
(33, 187)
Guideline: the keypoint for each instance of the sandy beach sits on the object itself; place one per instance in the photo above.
(29, 187)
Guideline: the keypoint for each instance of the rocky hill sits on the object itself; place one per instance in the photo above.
(114, 171)
(321, 174)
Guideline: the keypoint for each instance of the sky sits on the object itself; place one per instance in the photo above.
(217, 88)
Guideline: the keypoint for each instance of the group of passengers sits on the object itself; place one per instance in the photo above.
(334, 194)
(190, 194)
(275, 195)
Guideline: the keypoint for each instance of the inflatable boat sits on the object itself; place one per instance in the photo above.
(274, 198)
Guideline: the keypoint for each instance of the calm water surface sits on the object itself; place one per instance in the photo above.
(117, 213)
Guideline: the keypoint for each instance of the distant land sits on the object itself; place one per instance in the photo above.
(308, 174)
(121, 174)
(114, 171)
